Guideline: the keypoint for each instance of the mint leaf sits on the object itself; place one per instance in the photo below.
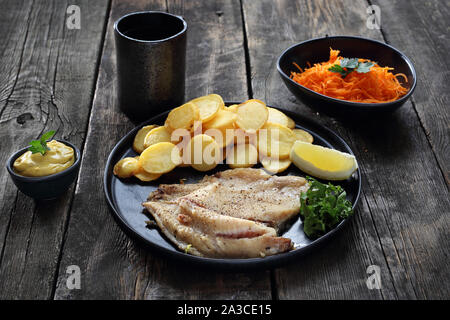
(322, 207)
(338, 69)
(364, 67)
(40, 146)
(36, 147)
(46, 136)
(349, 63)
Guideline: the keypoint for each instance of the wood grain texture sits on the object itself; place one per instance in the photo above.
(402, 221)
(422, 29)
(113, 266)
(46, 82)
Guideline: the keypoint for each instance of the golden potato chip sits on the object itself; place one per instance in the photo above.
(160, 158)
(182, 117)
(276, 116)
(146, 176)
(232, 108)
(224, 119)
(223, 137)
(242, 156)
(159, 134)
(291, 123)
(208, 106)
(126, 167)
(274, 165)
(204, 152)
(302, 135)
(275, 140)
(138, 143)
(251, 115)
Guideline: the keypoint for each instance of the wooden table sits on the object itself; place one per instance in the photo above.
(54, 77)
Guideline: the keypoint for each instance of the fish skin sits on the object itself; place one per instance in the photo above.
(232, 214)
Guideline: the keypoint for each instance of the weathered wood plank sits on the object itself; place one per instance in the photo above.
(422, 29)
(113, 265)
(47, 80)
(401, 222)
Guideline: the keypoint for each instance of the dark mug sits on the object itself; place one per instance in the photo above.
(151, 62)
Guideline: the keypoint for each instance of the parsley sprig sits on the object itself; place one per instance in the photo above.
(322, 207)
(40, 146)
(348, 65)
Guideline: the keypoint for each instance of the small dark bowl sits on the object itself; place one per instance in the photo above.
(318, 50)
(47, 187)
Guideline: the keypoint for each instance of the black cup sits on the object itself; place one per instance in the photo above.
(151, 62)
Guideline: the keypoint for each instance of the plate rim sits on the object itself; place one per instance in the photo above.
(225, 263)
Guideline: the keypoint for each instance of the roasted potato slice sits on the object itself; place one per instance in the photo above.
(182, 117)
(144, 176)
(182, 138)
(204, 152)
(160, 158)
(251, 115)
(208, 106)
(126, 167)
(291, 123)
(159, 134)
(223, 137)
(224, 119)
(302, 135)
(274, 165)
(242, 156)
(232, 108)
(276, 116)
(138, 143)
(275, 140)
(242, 137)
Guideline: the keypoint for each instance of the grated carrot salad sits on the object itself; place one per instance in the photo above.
(376, 86)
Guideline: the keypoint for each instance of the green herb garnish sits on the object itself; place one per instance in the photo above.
(188, 247)
(351, 65)
(40, 146)
(322, 207)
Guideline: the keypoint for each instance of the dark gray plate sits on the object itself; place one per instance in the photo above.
(125, 196)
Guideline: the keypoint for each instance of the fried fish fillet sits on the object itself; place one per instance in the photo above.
(234, 214)
(214, 235)
(242, 193)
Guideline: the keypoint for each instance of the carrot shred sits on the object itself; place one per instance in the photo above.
(376, 86)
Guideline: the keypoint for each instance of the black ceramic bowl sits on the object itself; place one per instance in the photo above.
(318, 50)
(47, 187)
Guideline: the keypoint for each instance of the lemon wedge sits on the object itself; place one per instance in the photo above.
(321, 162)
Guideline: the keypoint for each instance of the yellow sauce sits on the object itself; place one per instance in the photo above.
(58, 158)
